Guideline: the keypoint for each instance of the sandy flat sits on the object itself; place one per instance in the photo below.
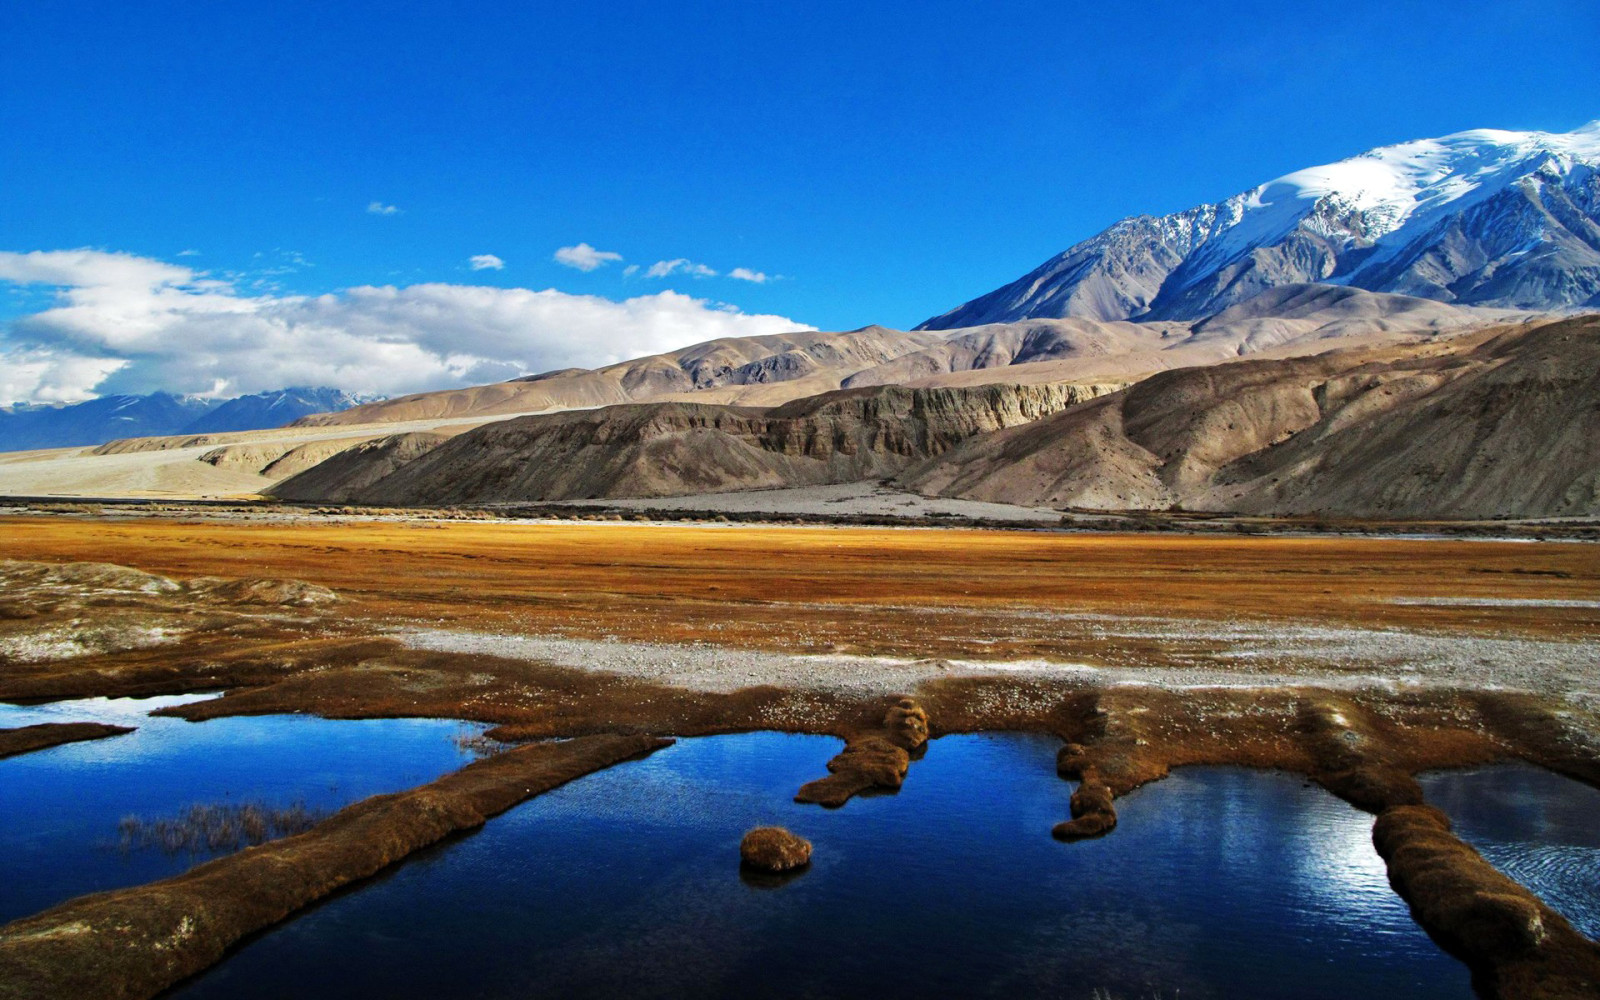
(169, 472)
(839, 500)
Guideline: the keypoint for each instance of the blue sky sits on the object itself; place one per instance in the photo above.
(878, 162)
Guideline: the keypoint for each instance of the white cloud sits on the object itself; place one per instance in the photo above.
(664, 268)
(189, 253)
(585, 257)
(379, 208)
(486, 262)
(745, 274)
(121, 323)
(43, 376)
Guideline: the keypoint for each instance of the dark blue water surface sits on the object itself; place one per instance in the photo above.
(59, 808)
(1538, 827)
(1218, 883)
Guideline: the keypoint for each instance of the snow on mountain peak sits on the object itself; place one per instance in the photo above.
(1454, 218)
(1396, 184)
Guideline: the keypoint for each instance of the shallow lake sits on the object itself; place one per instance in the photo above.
(60, 808)
(1219, 882)
(1540, 828)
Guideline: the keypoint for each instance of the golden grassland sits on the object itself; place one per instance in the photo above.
(756, 586)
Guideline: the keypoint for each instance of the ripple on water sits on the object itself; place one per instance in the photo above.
(1536, 826)
(1218, 883)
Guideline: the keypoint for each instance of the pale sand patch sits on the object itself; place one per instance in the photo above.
(1201, 655)
(869, 498)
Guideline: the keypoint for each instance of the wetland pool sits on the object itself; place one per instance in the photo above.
(1539, 827)
(60, 808)
(1219, 882)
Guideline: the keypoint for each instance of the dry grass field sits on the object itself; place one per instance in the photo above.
(759, 587)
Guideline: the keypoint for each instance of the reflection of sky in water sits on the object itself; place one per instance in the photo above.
(59, 807)
(1218, 883)
(1538, 827)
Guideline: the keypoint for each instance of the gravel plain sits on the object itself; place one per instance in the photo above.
(1194, 654)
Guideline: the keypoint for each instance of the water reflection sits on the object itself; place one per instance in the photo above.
(59, 808)
(1538, 827)
(1217, 883)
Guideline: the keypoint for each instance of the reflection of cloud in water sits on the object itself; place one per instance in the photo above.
(116, 711)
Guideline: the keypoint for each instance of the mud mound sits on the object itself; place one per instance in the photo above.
(137, 942)
(774, 849)
(85, 576)
(1517, 946)
(873, 759)
(907, 724)
(1093, 814)
(50, 734)
(256, 590)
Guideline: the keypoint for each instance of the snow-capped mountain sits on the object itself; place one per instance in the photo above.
(1485, 217)
(274, 409)
(97, 421)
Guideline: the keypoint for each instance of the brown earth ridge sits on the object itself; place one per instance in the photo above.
(27, 739)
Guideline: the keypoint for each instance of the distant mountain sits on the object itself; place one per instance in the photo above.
(676, 448)
(1429, 427)
(1487, 424)
(274, 409)
(97, 421)
(774, 369)
(1487, 217)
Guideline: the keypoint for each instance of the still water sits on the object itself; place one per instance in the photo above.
(1219, 882)
(1538, 827)
(59, 808)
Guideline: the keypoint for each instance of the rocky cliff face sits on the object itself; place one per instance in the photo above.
(1485, 425)
(667, 449)
(339, 477)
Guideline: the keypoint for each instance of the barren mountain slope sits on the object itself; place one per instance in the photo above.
(666, 449)
(770, 371)
(1290, 321)
(343, 475)
(809, 357)
(1497, 423)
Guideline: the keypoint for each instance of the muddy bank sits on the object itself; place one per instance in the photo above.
(27, 739)
(874, 759)
(136, 942)
(1366, 750)
(1515, 945)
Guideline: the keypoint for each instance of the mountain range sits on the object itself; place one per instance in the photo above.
(1397, 334)
(107, 418)
(1487, 217)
